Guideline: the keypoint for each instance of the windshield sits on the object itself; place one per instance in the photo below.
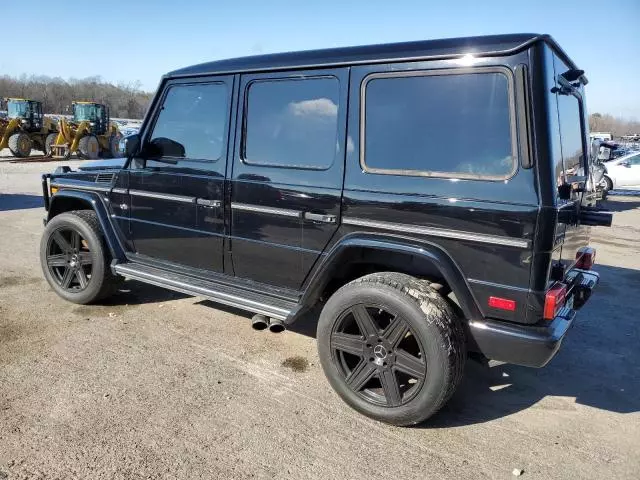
(18, 109)
(85, 111)
(627, 158)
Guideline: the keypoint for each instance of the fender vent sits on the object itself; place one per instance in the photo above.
(104, 178)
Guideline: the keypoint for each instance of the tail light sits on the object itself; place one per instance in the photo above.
(554, 300)
(585, 258)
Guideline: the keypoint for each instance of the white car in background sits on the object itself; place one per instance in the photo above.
(623, 172)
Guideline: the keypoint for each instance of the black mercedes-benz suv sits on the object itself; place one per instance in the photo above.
(433, 197)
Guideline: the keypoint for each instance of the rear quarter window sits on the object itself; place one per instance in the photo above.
(438, 124)
(571, 134)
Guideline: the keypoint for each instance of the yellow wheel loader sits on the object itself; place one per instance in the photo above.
(26, 128)
(89, 134)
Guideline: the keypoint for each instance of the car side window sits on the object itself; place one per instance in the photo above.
(191, 123)
(635, 160)
(292, 123)
(438, 124)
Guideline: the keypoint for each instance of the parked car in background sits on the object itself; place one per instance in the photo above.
(623, 171)
(633, 137)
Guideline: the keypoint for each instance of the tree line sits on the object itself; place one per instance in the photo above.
(128, 100)
(599, 122)
(125, 100)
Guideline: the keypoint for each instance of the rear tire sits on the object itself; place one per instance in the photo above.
(114, 146)
(89, 147)
(20, 145)
(48, 144)
(407, 363)
(74, 258)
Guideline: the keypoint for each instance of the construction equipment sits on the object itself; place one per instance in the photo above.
(89, 134)
(26, 128)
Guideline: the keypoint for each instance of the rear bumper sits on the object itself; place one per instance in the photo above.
(532, 346)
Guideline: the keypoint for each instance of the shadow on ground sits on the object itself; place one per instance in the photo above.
(598, 364)
(130, 295)
(625, 193)
(619, 204)
(133, 292)
(19, 201)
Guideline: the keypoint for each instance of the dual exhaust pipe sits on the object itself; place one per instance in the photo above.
(261, 322)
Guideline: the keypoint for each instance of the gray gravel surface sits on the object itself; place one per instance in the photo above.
(154, 384)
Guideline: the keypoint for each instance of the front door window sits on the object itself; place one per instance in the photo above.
(191, 124)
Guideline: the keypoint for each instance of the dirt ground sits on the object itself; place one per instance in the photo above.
(158, 385)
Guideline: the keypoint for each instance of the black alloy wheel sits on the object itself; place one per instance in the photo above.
(75, 259)
(69, 260)
(378, 355)
(391, 346)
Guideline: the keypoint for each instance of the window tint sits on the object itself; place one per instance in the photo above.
(571, 134)
(192, 122)
(292, 123)
(635, 160)
(458, 125)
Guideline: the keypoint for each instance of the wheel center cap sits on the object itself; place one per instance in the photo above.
(74, 261)
(380, 352)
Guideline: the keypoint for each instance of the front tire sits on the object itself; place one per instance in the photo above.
(89, 147)
(74, 258)
(20, 145)
(391, 347)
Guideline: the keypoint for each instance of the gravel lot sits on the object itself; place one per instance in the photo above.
(159, 385)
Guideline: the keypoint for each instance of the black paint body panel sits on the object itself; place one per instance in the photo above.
(293, 230)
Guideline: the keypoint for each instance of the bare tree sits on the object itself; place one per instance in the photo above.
(128, 100)
(56, 94)
(616, 126)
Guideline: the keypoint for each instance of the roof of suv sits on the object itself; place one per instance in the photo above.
(446, 48)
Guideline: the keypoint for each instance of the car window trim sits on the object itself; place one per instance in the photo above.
(159, 109)
(577, 94)
(245, 112)
(515, 153)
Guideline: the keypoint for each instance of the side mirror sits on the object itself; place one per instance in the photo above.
(163, 147)
(626, 163)
(130, 145)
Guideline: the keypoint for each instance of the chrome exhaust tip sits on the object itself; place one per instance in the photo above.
(259, 322)
(276, 326)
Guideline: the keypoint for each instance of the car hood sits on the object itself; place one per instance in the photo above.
(110, 164)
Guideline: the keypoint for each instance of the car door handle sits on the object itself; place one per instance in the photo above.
(208, 203)
(320, 217)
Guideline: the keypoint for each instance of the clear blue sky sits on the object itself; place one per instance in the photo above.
(143, 39)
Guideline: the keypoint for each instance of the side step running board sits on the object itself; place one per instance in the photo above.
(219, 292)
